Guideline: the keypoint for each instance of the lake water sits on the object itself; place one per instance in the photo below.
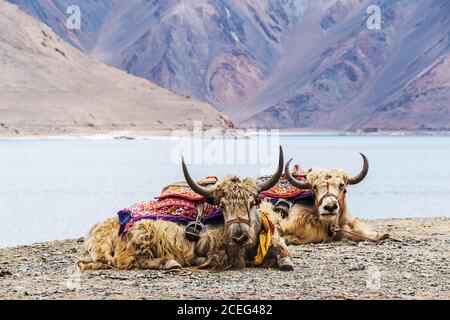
(53, 190)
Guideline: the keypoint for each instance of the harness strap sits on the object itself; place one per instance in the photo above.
(238, 220)
(241, 220)
(340, 199)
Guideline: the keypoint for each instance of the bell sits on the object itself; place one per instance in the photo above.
(282, 207)
(193, 230)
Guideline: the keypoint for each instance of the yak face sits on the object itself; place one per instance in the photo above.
(329, 187)
(239, 201)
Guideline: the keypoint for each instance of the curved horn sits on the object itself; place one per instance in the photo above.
(194, 186)
(274, 179)
(292, 180)
(360, 176)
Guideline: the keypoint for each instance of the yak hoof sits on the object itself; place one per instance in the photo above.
(171, 264)
(383, 236)
(286, 264)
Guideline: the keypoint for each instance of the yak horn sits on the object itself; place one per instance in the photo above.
(292, 180)
(194, 186)
(360, 176)
(274, 179)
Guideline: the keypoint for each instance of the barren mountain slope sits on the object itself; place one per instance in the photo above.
(308, 64)
(422, 104)
(48, 87)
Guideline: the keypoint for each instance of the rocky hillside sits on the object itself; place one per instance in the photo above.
(348, 77)
(48, 87)
(285, 64)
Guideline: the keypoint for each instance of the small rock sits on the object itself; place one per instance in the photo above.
(426, 275)
(4, 273)
(358, 268)
(434, 284)
(134, 283)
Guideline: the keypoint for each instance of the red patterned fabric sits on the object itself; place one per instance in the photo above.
(177, 203)
(283, 189)
(182, 190)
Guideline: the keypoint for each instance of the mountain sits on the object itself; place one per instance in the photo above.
(421, 104)
(48, 87)
(348, 77)
(309, 64)
(214, 50)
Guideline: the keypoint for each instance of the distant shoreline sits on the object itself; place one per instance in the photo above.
(232, 134)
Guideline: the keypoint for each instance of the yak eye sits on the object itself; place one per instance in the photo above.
(222, 205)
(315, 187)
(341, 185)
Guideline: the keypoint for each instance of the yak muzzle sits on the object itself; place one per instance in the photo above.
(239, 234)
(240, 240)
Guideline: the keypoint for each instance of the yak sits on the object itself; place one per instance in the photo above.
(327, 218)
(247, 236)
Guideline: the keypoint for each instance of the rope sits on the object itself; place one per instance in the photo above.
(336, 228)
(187, 270)
(357, 235)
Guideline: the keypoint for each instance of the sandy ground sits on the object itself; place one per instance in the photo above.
(414, 266)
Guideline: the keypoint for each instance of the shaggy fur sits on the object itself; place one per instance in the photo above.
(304, 223)
(158, 244)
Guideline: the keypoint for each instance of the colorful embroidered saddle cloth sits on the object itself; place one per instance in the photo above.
(181, 189)
(284, 190)
(177, 203)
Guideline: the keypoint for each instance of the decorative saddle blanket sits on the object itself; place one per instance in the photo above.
(182, 190)
(177, 203)
(283, 189)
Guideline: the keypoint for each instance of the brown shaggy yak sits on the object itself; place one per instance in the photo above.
(328, 218)
(246, 238)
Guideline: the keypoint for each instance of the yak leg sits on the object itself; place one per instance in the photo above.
(200, 260)
(93, 266)
(86, 262)
(131, 260)
(290, 239)
(159, 264)
(360, 231)
(283, 255)
(286, 264)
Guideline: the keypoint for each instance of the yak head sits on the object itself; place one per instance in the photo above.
(329, 187)
(239, 201)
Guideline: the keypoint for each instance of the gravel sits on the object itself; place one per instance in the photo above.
(413, 265)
